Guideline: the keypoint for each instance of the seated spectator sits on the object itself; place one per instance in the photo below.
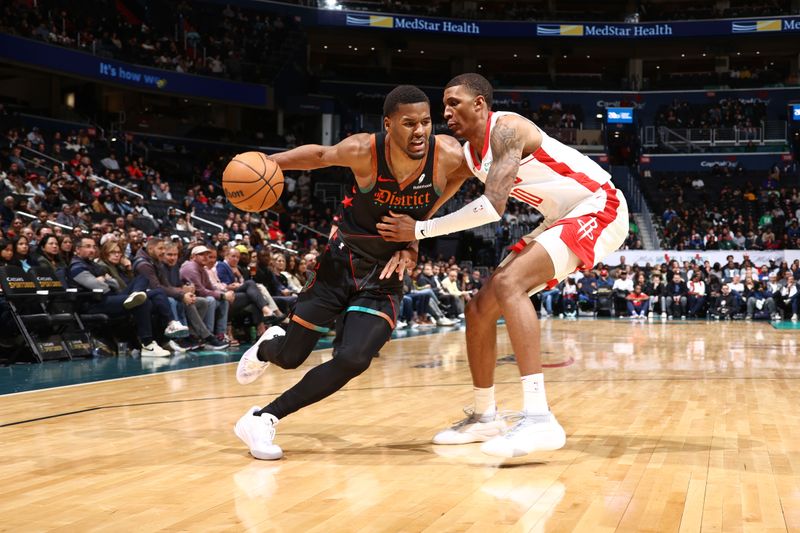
(475, 282)
(638, 303)
(760, 303)
(450, 303)
(66, 248)
(655, 290)
(285, 266)
(587, 290)
(737, 288)
(569, 295)
(301, 271)
(604, 281)
(121, 269)
(696, 296)
(621, 287)
(205, 307)
(789, 297)
(7, 212)
(187, 309)
(414, 307)
(116, 264)
(48, 254)
(68, 216)
(265, 311)
(21, 252)
(266, 275)
(550, 300)
(459, 298)
(84, 273)
(7, 253)
(676, 293)
(726, 306)
(423, 284)
(194, 272)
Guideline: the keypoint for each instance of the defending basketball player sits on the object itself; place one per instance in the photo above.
(585, 219)
(404, 168)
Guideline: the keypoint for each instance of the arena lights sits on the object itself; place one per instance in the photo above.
(332, 4)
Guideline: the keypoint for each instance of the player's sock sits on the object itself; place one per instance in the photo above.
(484, 400)
(534, 399)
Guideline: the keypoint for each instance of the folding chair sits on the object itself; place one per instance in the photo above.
(65, 300)
(38, 327)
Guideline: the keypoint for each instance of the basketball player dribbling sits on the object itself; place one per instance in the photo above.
(404, 169)
(585, 219)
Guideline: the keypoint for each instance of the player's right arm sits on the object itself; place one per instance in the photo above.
(354, 152)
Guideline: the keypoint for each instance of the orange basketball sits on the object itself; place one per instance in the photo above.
(252, 182)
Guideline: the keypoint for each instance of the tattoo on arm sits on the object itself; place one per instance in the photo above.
(506, 154)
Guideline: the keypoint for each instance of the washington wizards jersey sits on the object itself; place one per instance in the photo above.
(554, 179)
(361, 210)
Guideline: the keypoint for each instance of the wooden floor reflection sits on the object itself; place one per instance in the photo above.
(671, 427)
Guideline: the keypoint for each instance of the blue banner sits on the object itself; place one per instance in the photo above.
(566, 30)
(55, 58)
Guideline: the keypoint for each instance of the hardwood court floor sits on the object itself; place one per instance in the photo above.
(671, 427)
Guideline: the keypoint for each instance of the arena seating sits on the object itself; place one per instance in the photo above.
(724, 210)
(246, 45)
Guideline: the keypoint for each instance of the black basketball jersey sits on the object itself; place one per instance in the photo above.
(361, 210)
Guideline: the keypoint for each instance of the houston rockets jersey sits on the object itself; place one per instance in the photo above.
(554, 179)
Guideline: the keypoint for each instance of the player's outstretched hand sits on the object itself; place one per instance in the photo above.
(399, 263)
(397, 228)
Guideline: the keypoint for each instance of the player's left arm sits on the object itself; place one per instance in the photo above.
(511, 137)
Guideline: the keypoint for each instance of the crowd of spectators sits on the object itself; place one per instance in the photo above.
(673, 75)
(719, 210)
(194, 37)
(724, 113)
(674, 290)
(653, 11)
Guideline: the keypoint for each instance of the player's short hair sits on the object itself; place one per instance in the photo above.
(403, 94)
(475, 83)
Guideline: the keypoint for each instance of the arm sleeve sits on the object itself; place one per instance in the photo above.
(474, 214)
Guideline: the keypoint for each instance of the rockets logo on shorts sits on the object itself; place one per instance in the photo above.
(586, 228)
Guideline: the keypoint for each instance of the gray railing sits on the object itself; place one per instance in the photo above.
(700, 139)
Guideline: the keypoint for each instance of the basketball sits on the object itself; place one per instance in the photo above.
(252, 182)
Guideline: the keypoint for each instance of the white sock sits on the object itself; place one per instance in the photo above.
(534, 399)
(484, 400)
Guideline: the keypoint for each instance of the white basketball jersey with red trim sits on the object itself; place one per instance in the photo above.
(554, 179)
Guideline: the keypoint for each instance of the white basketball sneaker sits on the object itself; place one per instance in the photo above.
(257, 432)
(250, 366)
(533, 433)
(473, 428)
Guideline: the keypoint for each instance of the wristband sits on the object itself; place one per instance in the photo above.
(474, 214)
